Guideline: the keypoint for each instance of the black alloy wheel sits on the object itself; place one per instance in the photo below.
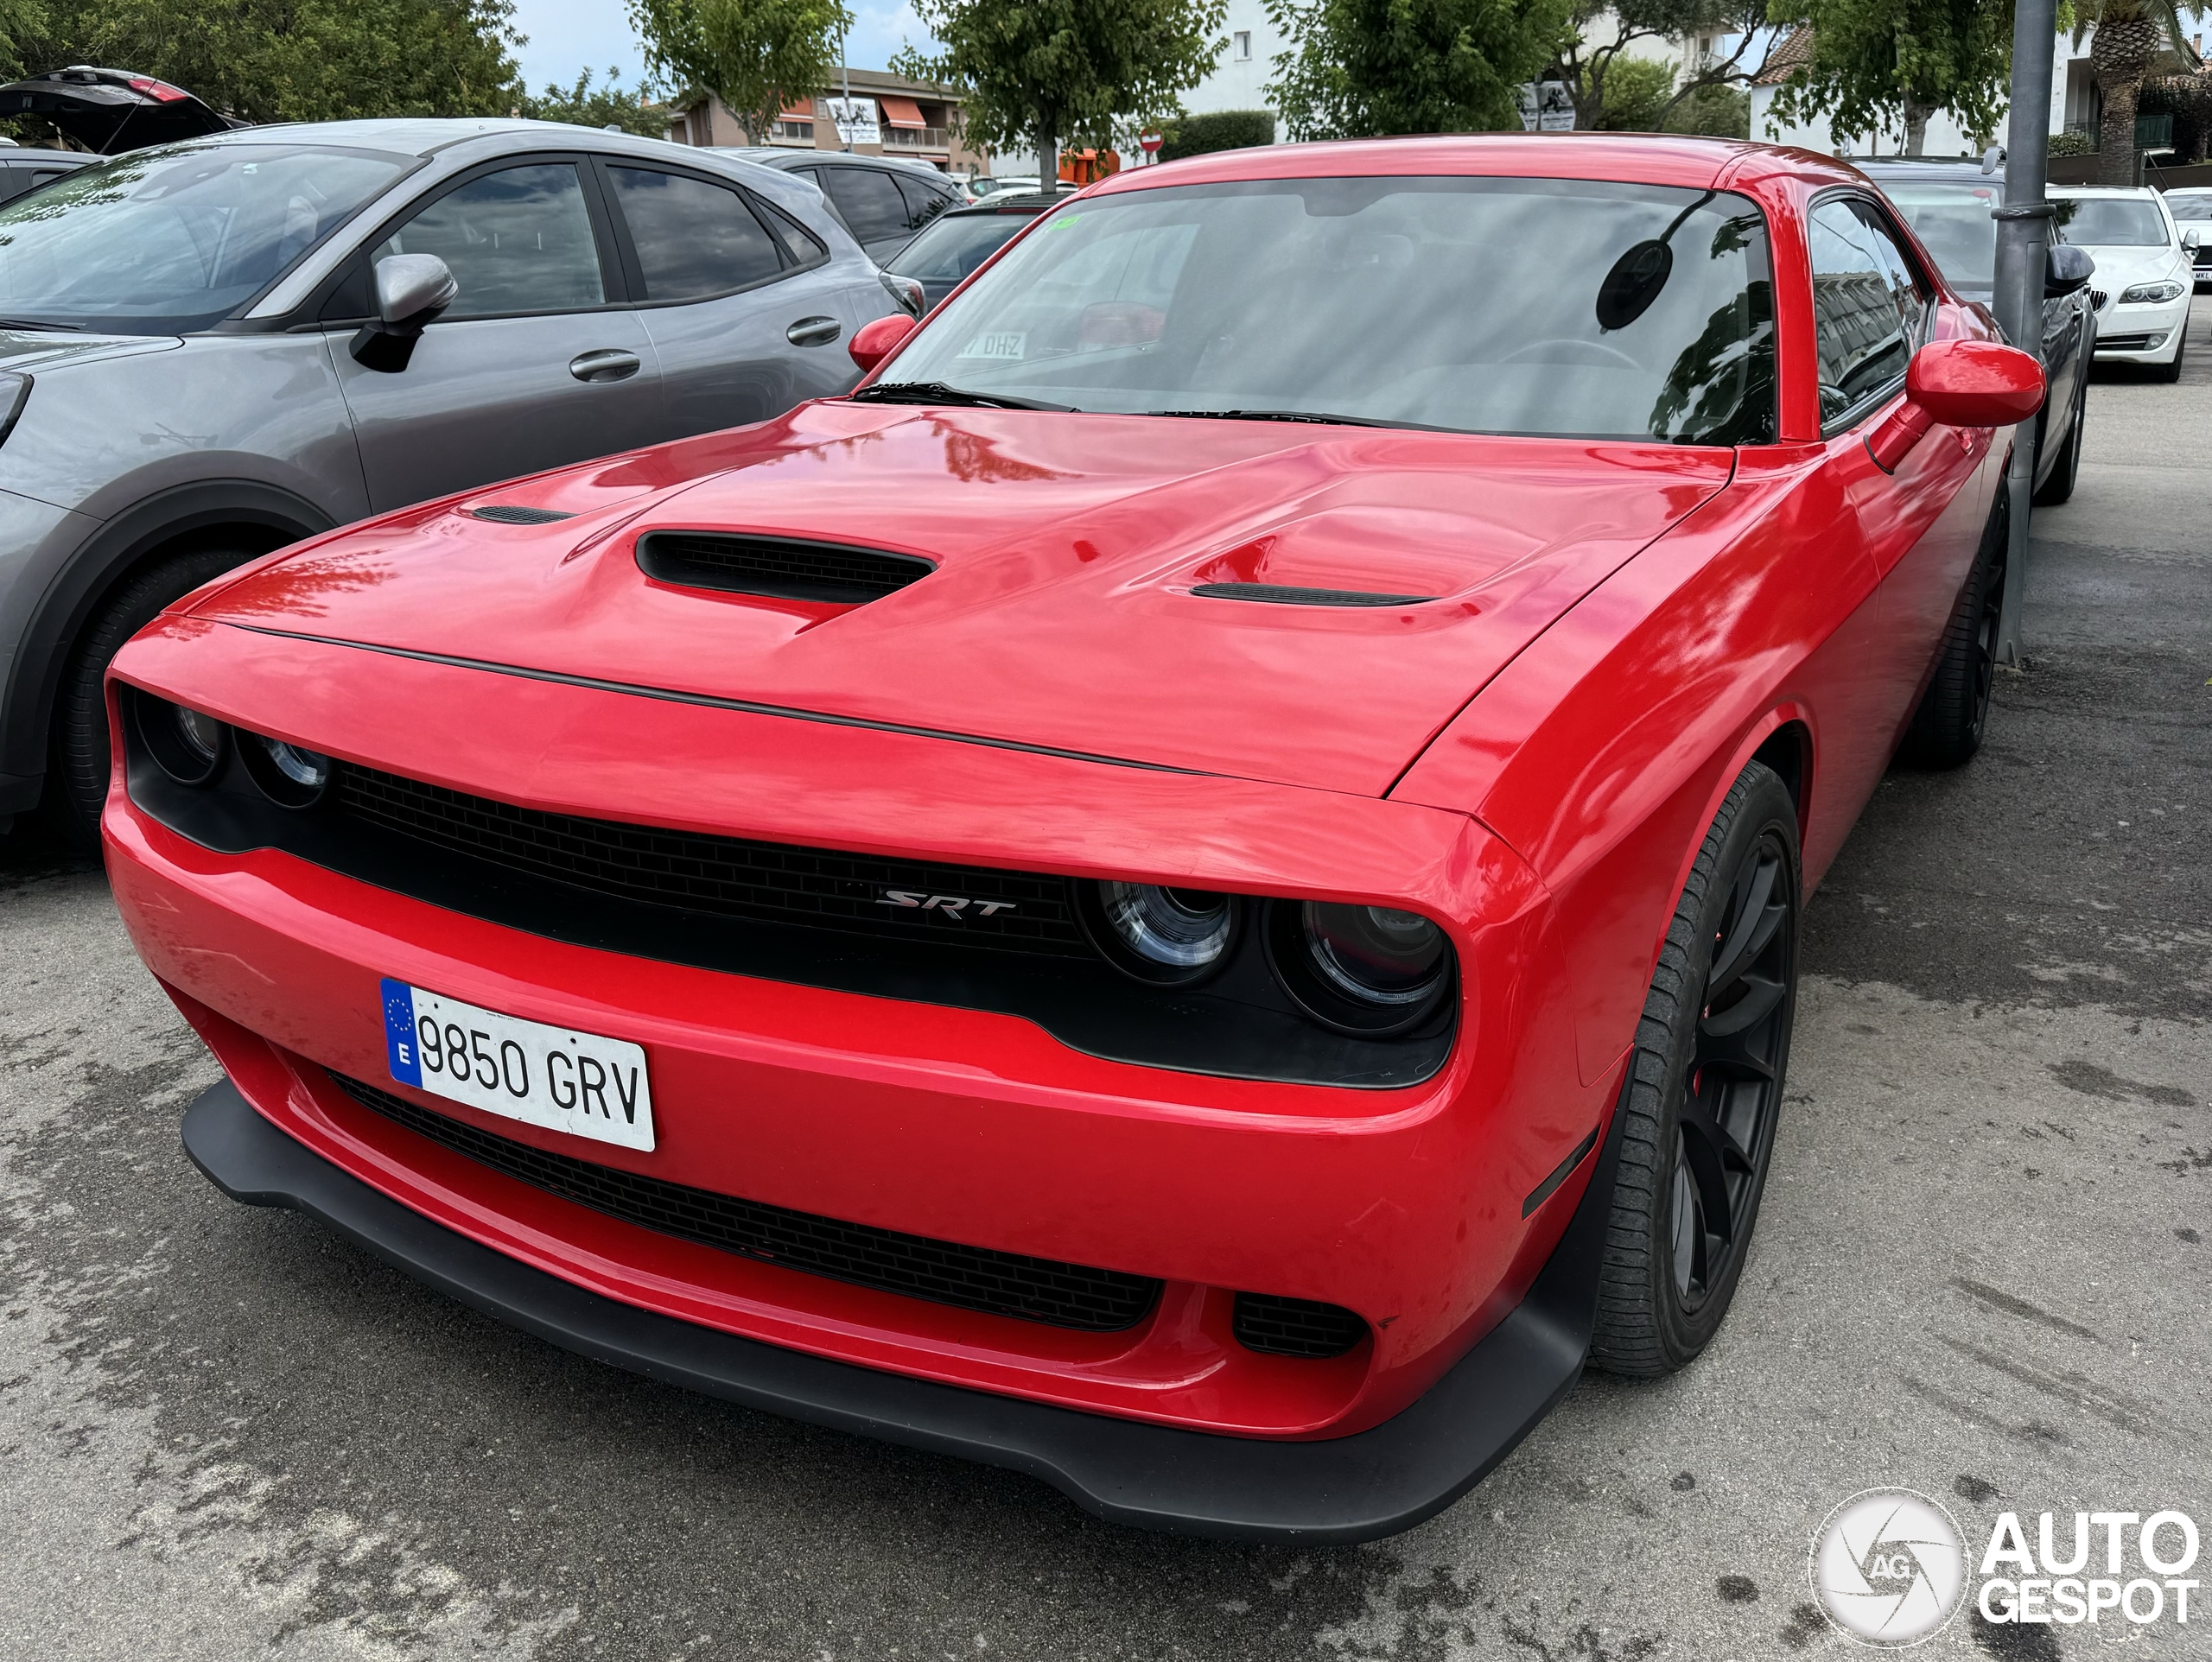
(1953, 717)
(1726, 1123)
(1705, 1089)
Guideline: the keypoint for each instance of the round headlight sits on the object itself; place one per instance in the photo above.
(1159, 934)
(185, 744)
(1369, 970)
(1374, 953)
(287, 775)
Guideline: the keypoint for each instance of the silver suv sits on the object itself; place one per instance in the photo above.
(211, 349)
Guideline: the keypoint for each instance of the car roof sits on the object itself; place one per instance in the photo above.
(778, 156)
(2137, 193)
(1647, 158)
(1007, 202)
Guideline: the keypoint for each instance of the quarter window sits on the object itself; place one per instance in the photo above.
(1867, 307)
(693, 239)
(869, 202)
(518, 240)
(924, 203)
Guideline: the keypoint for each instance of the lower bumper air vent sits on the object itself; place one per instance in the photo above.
(1294, 1327)
(968, 1277)
(776, 567)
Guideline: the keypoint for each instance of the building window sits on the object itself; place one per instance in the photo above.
(802, 130)
(1241, 46)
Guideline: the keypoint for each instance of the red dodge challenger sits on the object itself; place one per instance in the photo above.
(1194, 891)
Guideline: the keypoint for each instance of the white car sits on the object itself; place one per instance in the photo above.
(2192, 211)
(2145, 273)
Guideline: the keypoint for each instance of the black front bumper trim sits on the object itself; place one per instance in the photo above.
(1353, 1488)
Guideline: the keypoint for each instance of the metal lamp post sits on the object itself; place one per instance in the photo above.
(2023, 237)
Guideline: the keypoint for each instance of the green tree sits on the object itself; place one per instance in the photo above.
(1362, 68)
(299, 60)
(587, 106)
(1595, 42)
(1051, 71)
(1642, 97)
(2127, 36)
(1220, 130)
(1878, 62)
(756, 55)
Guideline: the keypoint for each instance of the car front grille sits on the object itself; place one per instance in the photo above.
(968, 1277)
(1294, 1327)
(1021, 911)
(2126, 343)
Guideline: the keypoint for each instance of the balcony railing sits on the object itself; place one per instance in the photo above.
(2154, 129)
(917, 138)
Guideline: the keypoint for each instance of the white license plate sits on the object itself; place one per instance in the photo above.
(555, 1077)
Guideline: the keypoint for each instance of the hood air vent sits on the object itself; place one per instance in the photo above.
(776, 567)
(508, 513)
(1276, 594)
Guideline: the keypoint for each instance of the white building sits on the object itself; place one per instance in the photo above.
(1247, 64)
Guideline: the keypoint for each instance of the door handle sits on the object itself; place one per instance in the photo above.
(814, 332)
(609, 364)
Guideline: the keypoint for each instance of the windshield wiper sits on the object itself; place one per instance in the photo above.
(1278, 415)
(33, 323)
(938, 392)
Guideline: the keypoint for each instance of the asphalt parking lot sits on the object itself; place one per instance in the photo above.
(1980, 1273)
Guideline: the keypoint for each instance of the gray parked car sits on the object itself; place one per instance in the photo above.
(882, 200)
(212, 349)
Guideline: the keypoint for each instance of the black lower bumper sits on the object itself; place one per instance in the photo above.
(1352, 1489)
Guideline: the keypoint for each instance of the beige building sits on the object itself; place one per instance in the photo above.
(915, 122)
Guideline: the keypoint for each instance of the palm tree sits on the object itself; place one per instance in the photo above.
(2128, 37)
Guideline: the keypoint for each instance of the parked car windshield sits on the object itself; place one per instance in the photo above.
(2112, 222)
(1954, 221)
(168, 240)
(1541, 305)
(952, 248)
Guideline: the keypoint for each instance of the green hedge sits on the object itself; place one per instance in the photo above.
(1226, 129)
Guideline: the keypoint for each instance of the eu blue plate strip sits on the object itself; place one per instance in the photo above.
(399, 1032)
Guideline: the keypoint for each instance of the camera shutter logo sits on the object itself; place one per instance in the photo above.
(1890, 1568)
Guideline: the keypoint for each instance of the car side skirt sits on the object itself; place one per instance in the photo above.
(1342, 1490)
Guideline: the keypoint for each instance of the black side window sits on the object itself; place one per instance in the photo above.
(869, 202)
(924, 203)
(801, 246)
(1867, 308)
(518, 240)
(693, 239)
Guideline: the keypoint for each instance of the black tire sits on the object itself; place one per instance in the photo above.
(2059, 486)
(2171, 372)
(1705, 1090)
(1946, 729)
(77, 769)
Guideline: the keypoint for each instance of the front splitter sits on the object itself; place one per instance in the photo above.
(1360, 1488)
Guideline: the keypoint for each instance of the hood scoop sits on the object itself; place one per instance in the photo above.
(1281, 594)
(510, 513)
(776, 567)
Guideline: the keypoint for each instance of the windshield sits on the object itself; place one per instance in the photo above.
(2110, 222)
(1472, 304)
(2190, 208)
(164, 241)
(1954, 221)
(952, 248)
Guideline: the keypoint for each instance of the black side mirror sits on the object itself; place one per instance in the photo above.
(2066, 269)
(411, 290)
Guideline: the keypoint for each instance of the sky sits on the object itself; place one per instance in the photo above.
(568, 35)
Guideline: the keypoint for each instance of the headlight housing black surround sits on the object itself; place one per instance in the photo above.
(1167, 936)
(1370, 970)
(185, 744)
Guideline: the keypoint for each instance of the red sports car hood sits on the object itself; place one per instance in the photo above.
(1061, 612)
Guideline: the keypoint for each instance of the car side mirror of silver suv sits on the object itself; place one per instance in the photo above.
(411, 290)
